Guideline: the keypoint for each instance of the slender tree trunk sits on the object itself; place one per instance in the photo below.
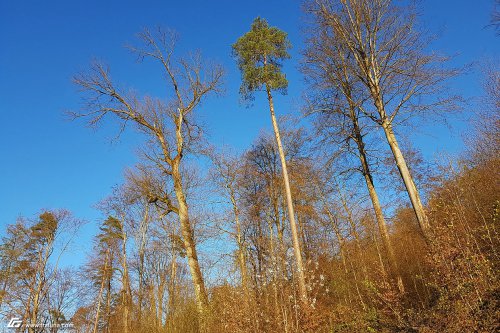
(34, 313)
(140, 291)
(159, 308)
(242, 263)
(291, 213)
(108, 305)
(379, 215)
(239, 241)
(101, 290)
(382, 227)
(259, 247)
(125, 313)
(386, 124)
(172, 297)
(189, 243)
(40, 280)
(302, 236)
(408, 180)
(357, 285)
(338, 234)
(379, 254)
(349, 218)
(127, 292)
(279, 222)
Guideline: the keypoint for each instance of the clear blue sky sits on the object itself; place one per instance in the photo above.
(48, 162)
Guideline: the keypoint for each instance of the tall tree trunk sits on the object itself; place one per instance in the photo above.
(291, 213)
(101, 290)
(127, 291)
(189, 243)
(34, 313)
(379, 215)
(108, 304)
(39, 278)
(239, 241)
(411, 189)
(140, 291)
(98, 310)
(407, 179)
(125, 312)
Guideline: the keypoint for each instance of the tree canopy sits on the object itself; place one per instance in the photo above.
(260, 53)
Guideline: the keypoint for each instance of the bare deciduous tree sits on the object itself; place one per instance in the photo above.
(169, 126)
(338, 105)
(227, 170)
(383, 50)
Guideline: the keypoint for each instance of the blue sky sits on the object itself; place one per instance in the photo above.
(49, 162)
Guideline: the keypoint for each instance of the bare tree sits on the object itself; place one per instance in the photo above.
(338, 108)
(62, 297)
(169, 126)
(382, 49)
(226, 173)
